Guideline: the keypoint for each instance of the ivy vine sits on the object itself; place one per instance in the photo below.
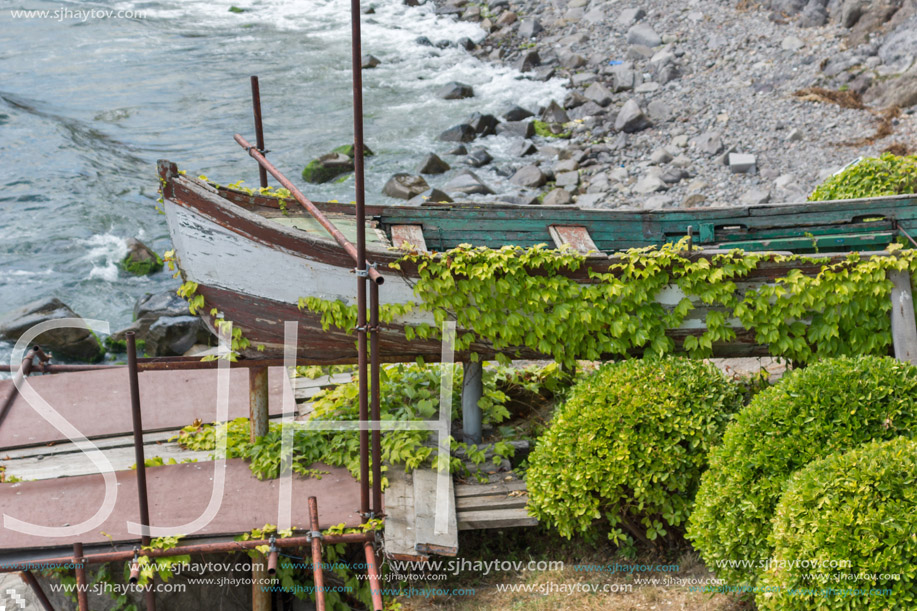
(531, 299)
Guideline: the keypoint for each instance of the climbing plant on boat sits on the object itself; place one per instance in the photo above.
(552, 302)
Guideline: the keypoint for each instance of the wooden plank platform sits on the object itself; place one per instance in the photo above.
(98, 402)
(494, 505)
(410, 507)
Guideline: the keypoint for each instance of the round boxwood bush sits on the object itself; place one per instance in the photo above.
(871, 177)
(831, 406)
(844, 533)
(630, 444)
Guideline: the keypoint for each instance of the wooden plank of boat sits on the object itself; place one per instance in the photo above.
(427, 540)
(904, 331)
(400, 538)
(408, 236)
(574, 236)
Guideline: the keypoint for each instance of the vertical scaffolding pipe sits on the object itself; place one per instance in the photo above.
(139, 457)
(372, 571)
(30, 580)
(359, 187)
(375, 399)
(82, 596)
(259, 130)
(316, 555)
(472, 390)
(23, 372)
(257, 402)
(261, 594)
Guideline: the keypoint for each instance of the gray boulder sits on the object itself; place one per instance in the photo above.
(528, 61)
(433, 196)
(630, 16)
(405, 186)
(154, 305)
(517, 113)
(455, 91)
(523, 148)
(598, 93)
(140, 260)
(68, 343)
(467, 182)
(643, 34)
(554, 114)
(432, 164)
(478, 157)
(458, 133)
(557, 197)
(631, 118)
(523, 129)
(529, 176)
(369, 62)
(530, 27)
(709, 143)
(483, 125)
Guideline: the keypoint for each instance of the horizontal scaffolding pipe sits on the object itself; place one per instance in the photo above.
(319, 216)
(202, 548)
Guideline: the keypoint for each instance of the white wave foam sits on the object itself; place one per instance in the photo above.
(105, 252)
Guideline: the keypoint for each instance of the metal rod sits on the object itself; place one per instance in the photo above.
(363, 383)
(258, 403)
(259, 130)
(80, 569)
(375, 397)
(372, 571)
(23, 372)
(319, 216)
(29, 578)
(137, 420)
(202, 548)
(261, 594)
(54, 368)
(316, 555)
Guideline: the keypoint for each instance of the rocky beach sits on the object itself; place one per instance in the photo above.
(686, 103)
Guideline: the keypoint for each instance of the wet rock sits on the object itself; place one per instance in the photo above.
(523, 148)
(598, 93)
(483, 125)
(741, 163)
(69, 343)
(140, 259)
(530, 27)
(554, 114)
(432, 164)
(631, 118)
(557, 197)
(405, 186)
(455, 91)
(528, 61)
(165, 335)
(643, 34)
(458, 133)
(517, 113)
(327, 167)
(529, 176)
(370, 61)
(431, 196)
(467, 182)
(478, 157)
(423, 41)
(466, 43)
(523, 129)
(459, 150)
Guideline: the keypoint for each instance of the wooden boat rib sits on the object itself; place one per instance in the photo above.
(252, 261)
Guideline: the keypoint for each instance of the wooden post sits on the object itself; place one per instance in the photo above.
(904, 330)
(472, 391)
(258, 402)
(261, 595)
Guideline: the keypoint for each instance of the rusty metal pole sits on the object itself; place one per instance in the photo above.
(259, 130)
(257, 402)
(24, 370)
(375, 398)
(318, 578)
(139, 456)
(30, 580)
(82, 596)
(261, 595)
(372, 571)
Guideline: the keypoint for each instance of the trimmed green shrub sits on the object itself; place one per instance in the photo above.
(852, 514)
(871, 177)
(630, 444)
(832, 406)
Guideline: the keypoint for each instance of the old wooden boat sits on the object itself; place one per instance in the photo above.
(252, 261)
